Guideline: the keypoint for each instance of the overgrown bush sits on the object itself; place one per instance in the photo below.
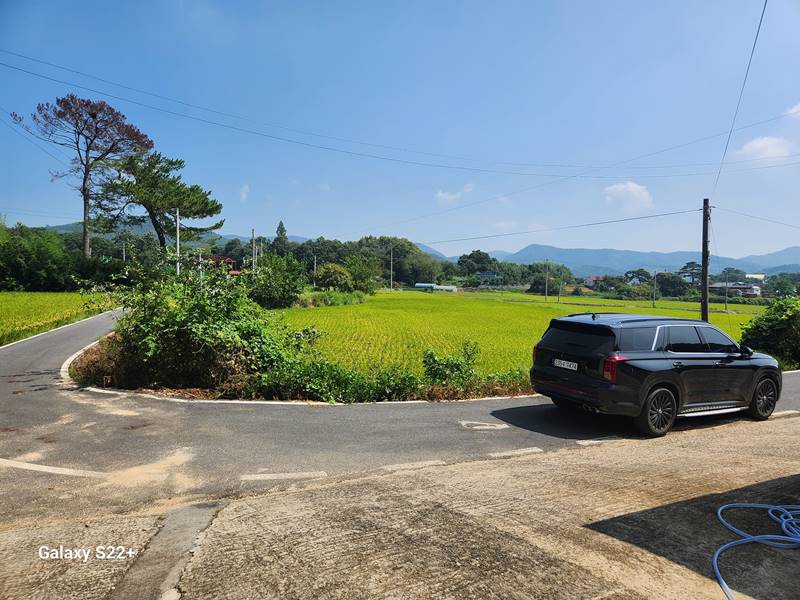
(776, 331)
(198, 329)
(277, 282)
(330, 298)
(456, 370)
(331, 276)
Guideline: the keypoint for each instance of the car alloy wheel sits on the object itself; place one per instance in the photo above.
(766, 397)
(658, 413)
(661, 412)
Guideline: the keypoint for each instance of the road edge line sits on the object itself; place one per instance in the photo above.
(56, 329)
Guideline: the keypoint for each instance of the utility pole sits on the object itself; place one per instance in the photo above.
(253, 247)
(314, 279)
(178, 238)
(655, 276)
(546, 277)
(391, 268)
(705, 261)
(726, 290)
(123, 251)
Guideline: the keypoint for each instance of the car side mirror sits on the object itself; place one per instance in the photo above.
(746, 351)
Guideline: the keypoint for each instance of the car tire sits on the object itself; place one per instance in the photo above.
(765, 396)
(658, 413)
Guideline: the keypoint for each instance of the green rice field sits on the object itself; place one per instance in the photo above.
(23, 314)
(397, 327)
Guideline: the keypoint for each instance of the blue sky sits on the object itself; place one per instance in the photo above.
(541, 88)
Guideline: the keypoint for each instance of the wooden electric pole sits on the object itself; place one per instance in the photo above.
(546, 277)
(178, 239)
(705, 261)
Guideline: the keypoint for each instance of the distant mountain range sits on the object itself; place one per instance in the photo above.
(582, 261)
(586, 261)
(148, 228)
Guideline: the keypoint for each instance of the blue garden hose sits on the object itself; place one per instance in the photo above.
(786, 516)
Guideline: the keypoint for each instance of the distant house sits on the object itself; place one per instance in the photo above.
(592, 280)
(432, 287)
(219, 259)
(738, 288)
(756, 276)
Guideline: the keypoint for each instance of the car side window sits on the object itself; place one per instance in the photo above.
(684, 339)
(718, 341)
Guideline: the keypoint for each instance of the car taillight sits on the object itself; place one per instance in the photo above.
(610, 366)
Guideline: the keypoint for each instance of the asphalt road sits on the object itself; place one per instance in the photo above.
(59, 443)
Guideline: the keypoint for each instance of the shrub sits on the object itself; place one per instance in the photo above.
(330, 298)
(331, 276)
(277, 282)
(199, 329)
(455, 370)
(777, 331)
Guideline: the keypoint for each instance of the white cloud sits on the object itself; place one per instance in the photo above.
(765, 147)
(794, 111)
(453, 197)
(448, 197)
(325, 187)
(244, 192)
(630, 196)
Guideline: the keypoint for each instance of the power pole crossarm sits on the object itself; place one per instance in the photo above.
(705, 261)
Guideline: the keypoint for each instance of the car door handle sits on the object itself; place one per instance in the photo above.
(719, 363)
(677, 364)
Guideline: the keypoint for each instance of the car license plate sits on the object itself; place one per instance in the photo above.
(565, 364)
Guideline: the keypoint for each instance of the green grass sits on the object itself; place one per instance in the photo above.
(23, 314)
(397, 327)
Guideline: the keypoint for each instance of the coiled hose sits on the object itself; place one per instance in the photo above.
(786, 516)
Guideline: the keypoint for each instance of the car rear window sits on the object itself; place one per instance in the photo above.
(636, 339)
(578, 339)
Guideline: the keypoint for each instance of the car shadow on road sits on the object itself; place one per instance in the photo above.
(550, 420)
(688, 533)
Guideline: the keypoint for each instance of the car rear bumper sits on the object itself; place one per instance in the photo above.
(599, 396)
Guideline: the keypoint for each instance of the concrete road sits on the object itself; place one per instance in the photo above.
(59, 443)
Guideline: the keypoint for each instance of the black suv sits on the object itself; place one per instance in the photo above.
(653, 369)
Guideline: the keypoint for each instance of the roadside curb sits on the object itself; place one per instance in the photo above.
(68, 381)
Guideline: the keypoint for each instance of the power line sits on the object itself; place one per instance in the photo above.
(234, 115)
(566, 177)
(563, 227)
(739, 101)
(749, 216)
(361, 142)
(274, 137)
(34, 213)
(364, 154)
(30, 141)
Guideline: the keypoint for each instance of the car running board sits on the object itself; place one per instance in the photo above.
(705, 411)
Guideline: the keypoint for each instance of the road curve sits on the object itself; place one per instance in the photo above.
(143, 449)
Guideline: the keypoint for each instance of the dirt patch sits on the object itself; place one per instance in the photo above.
(151, 473)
